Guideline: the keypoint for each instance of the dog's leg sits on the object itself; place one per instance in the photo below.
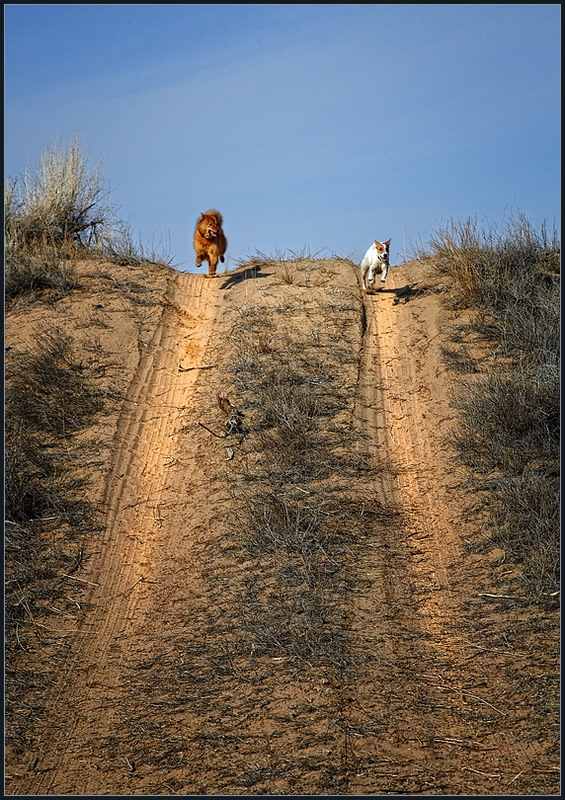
(198, 261)
(385, 272)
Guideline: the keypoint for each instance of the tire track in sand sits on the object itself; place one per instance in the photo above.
(423, 696)
(120, 570)
(395, 710)
(411, 414)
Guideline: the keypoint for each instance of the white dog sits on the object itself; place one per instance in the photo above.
(375, 261)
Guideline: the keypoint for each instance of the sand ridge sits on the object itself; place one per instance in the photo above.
(433, 708)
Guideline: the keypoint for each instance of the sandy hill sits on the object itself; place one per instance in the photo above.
(278, 590)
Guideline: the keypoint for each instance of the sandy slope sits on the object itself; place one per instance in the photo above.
(439, 703)
(452, 728)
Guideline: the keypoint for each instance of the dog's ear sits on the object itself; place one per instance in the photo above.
(375, 241)
(387, 243)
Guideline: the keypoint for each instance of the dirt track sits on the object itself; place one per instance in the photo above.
(446, 699)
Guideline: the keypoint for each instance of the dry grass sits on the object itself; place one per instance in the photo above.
(494, 267)
(57, 213)
(116, 243)
(296, 516)
(60, 202)
(49, 389)
(31, 269)
(287, 274)
(508, 408)
(301, 515)
(49, 397)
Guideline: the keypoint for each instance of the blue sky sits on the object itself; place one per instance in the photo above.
(308, 126)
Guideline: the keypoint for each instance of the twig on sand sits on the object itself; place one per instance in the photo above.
(81, 580)
(465, 693)
(129, 764)
(502, 596)
(486, 774)
(217, 435)
(201, 366)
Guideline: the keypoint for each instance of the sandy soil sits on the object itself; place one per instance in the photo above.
(451, 691)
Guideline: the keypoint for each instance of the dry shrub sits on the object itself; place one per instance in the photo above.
(57, 213)
(48, 398)
(49, 389)
(493, 267)
(509, 411)
(59, 203)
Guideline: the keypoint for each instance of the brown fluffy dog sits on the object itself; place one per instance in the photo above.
(209, 240)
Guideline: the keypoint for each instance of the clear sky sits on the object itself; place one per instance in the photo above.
(308, 126)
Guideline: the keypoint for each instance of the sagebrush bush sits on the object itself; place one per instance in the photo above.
(61, 202)
(57, 213)
(509, 410)
(51, 214)
(491, 267)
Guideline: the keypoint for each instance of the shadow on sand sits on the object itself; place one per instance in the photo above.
(243, 274)
(403, 294)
